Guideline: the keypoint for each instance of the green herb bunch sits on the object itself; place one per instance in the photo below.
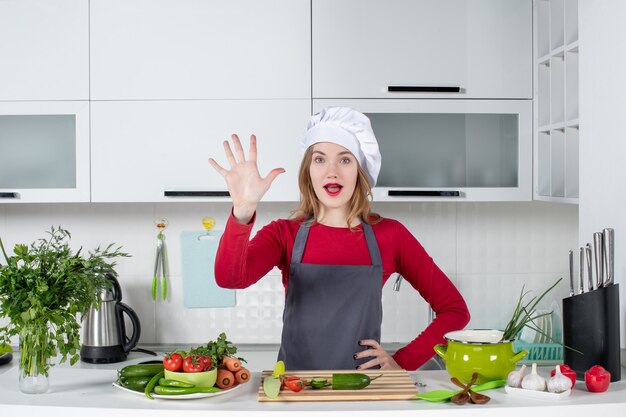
(525, 314)
(216, 349)
(44, 289)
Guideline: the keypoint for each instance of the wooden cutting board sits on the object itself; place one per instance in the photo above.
(393, 385)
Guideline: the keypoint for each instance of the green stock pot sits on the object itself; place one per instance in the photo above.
(478, 351)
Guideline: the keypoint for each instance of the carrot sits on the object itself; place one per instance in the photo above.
(225, 378)
(232, 364)
(242, 375)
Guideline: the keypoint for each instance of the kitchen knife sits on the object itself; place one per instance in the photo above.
(581, 271)
(609, 252)
(571, 273)
(589, 268)
(598, 247)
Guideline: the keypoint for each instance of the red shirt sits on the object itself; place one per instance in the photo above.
(241, 262)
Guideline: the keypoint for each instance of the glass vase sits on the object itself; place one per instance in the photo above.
(34, 360)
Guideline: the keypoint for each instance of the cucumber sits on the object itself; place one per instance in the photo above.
(164, 390)
(352, 381)
(136, 383)
(140, 370)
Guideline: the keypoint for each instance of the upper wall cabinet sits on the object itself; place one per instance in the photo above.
(422, 49)
(44, 50)
(198, 49)
(44, 151)
(156, 151)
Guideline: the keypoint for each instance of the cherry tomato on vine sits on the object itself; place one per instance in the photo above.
(173, 362)
(192, 364)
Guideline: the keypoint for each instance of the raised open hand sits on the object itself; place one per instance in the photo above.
(245, 184)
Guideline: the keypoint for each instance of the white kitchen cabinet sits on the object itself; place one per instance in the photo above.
(449, 150)
(157, 151)
(556, 118)
(198, 49)
(423, 48)
(44, 151)
(44, 50)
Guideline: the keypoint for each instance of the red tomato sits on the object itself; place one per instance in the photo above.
(205, 361)
(294, 384)
(192, 364)
(568, 372)
(173, 362)
(597, 379)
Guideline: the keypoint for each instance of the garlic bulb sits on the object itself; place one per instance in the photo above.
(515, 377)
(534, 381)
(559, 382)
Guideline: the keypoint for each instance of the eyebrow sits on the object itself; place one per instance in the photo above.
(340, 153)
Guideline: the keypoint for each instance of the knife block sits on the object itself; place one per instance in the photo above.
(591, 326)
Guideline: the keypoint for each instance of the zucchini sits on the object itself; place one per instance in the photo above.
(140, 370)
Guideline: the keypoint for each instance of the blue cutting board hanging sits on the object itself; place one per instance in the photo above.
(198, 260)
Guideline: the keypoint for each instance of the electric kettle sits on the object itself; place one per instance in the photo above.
(104, 332)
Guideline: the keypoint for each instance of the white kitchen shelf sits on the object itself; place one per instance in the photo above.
(556, 106)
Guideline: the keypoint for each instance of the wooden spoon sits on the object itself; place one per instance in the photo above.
(478, 398)
(463, 396)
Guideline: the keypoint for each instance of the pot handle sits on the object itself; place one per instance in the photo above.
(519, 355)
(441, 350)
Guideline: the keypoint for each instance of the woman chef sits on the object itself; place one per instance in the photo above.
(334, 253)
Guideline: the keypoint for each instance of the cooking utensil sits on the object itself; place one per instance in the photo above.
(443, 395)
(571, 273)
(160, 262)
(589, 267)
(463, 396)
(474, 397)
(598, 247)
(609, 253)
(581, 271)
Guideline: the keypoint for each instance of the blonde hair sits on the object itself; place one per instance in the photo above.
(310, 206)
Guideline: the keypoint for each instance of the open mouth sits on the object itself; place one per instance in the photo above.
(333, 189)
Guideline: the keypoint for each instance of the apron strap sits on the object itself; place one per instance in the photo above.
(303, 234)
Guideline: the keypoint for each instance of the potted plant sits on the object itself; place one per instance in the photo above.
(45, 289)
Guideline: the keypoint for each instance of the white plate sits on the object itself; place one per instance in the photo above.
(180, 397)
(541, 395)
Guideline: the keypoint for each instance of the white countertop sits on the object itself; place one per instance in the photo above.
(86, 389)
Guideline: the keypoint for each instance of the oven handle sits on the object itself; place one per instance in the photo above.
(422, 89)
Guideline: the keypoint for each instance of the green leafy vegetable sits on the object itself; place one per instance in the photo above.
(44, 288)
(525, 314)
(216, 349)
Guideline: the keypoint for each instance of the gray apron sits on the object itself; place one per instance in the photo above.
(329, 308)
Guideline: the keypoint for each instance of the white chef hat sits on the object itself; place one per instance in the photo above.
(350, 129)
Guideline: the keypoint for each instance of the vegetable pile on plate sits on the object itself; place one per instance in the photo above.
(204, 369)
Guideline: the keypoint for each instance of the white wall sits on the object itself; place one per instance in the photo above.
(602, 129)
(489, 249)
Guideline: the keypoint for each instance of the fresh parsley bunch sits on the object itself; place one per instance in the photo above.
(44, 289)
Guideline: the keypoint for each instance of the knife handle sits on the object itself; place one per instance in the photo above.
(609, 253)
(571, 273)
(589, 267)
(581, 271)
(598, 247)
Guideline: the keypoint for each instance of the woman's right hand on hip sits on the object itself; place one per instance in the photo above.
(243, 180)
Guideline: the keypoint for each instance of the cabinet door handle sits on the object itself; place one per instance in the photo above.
(206, 193)
(422, 193)
(422, 89)
(9, 194)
